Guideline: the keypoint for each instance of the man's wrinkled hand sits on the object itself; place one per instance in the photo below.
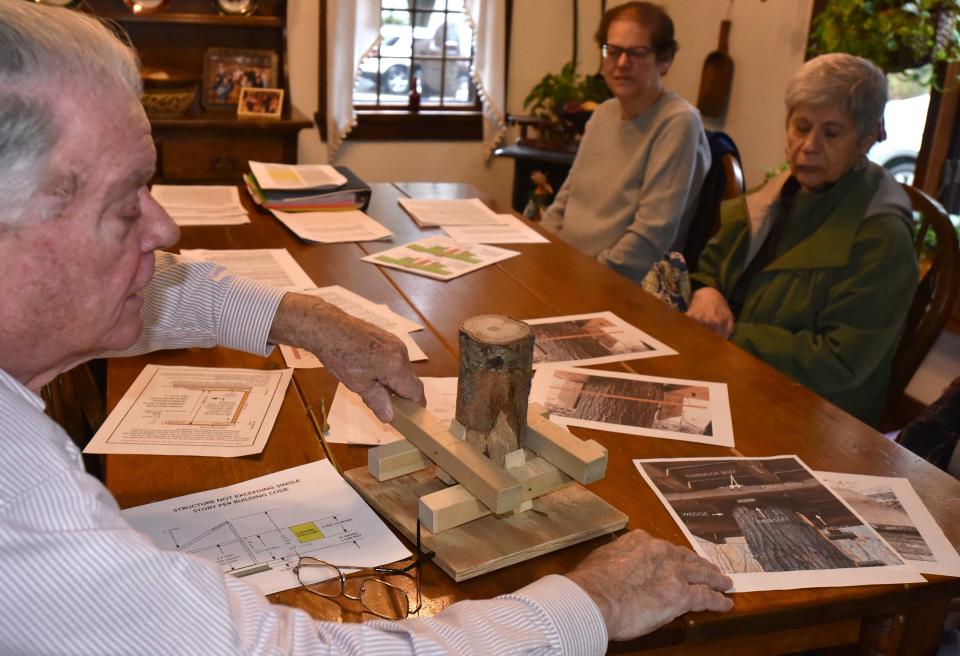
(368, 360)
(640, 583)
(709, 307)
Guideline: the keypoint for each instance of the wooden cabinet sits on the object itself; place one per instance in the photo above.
(204, 144)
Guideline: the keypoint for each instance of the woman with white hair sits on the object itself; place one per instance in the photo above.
(814, 272)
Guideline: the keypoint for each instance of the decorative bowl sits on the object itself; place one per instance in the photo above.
(167, 93)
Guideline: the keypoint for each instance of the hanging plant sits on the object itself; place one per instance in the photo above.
(895, 35)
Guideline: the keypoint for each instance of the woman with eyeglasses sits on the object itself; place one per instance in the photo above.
(633, 188)
(814, 272)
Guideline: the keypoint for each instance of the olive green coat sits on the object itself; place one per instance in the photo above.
(829, 309)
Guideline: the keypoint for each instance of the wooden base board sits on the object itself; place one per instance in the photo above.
(567, 516)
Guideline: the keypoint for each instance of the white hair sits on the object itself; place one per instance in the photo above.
(43, 49)
(854, 84)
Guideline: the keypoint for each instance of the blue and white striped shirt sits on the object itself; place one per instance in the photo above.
(75, 578)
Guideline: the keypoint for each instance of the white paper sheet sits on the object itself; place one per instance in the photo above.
(510, 230)
(672, 408)
(771, 524)
(260, 528)
(896, 512)
(296, 176)
(446, 212)
(197, 197)
(440, 258)
(270, 265)
(333, 227)
(298, 358)
(352, 422)
(194, 411)
(190, 219)
(592, 338)
(355, 305)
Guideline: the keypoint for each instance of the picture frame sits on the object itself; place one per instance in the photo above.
(260, 103)
(226, 71)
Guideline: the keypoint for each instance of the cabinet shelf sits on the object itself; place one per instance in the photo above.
(212, 20)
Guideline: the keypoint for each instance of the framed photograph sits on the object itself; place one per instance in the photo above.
(261, 103)
(226, 71)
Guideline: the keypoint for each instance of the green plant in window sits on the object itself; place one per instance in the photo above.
(564, 100)
(895, 35)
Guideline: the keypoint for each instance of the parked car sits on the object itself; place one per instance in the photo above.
(904, 120)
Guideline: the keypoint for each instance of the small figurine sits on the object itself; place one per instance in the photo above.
(540, 197)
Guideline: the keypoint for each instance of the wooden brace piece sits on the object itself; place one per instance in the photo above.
(493, 486)
(395, 459)
(584, 460)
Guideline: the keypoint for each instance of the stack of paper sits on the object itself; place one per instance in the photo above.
(440, 257)
(361, 308)
(429, 213)
(274, 266)
(190, 205)
(306, 187)
(510, 230)
(333, 227)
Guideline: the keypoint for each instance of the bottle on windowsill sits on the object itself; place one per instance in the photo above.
(413, 103)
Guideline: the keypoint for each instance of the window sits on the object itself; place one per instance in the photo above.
(427, 44)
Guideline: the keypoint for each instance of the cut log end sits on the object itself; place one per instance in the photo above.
(495, 329)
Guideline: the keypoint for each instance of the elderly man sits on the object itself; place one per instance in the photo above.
(80, 276)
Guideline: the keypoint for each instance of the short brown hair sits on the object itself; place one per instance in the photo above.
(651, 16)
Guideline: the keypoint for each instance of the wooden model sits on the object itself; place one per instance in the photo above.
(501, 483)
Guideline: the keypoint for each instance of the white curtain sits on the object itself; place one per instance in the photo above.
(353, 28)
(489, 19)
(353, 32)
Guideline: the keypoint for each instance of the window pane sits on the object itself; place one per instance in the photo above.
(459, 87)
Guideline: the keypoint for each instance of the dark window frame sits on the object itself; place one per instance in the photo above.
(430, 123)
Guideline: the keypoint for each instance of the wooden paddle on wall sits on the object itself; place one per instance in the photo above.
(717, 77)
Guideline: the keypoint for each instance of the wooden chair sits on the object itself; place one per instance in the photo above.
(936, 294)
(723, 181)
(75, 401)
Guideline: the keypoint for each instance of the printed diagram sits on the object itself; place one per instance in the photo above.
(254, 543)
(196, 405)
(425, 264)
(451, 252)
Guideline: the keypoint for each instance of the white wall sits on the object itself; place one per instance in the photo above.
(766, 44)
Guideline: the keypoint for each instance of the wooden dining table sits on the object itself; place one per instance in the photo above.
(772, 415)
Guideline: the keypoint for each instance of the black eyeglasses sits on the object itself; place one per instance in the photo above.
(612, 53)
(382, 593)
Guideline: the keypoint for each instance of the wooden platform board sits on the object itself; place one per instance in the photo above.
(567, 516)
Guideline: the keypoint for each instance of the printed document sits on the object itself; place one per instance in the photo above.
(259, 529)
(437, 212)
(894, 509)
(333, 227)
(296, 176)
(510, 230)
(194, 411)
(771, 524)
(191, 205)
(270, 265)
(440, 257)
(298, 358)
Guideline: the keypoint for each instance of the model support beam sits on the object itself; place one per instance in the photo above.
(583, 460)
(493, 486)
(395, 459)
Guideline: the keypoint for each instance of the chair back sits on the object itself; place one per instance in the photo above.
(936, 294)
(724, 180)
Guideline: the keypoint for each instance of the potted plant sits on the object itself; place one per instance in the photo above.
(895, 35)
(563, 102)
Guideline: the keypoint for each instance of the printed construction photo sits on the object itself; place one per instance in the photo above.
(591, 339)
(687, 410)
(770, 522)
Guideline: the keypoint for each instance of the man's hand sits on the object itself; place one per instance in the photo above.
(640, 583)
(709, 307)
(368, 360)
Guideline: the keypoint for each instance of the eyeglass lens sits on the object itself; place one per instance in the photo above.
(613, 53)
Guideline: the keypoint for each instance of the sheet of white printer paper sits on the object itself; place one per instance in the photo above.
(443, 212)
(197, 197)
(355, 305)
(296, 176)
(259, 529)
(194, 411)
(510, 230)
(333, 227)
(894, 509)
(352, 422)
(297, 358)
(271, 265)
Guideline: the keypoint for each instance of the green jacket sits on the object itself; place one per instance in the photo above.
(829, 309)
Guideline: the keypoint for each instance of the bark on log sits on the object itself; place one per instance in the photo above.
(496, 365)
(782, 540)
